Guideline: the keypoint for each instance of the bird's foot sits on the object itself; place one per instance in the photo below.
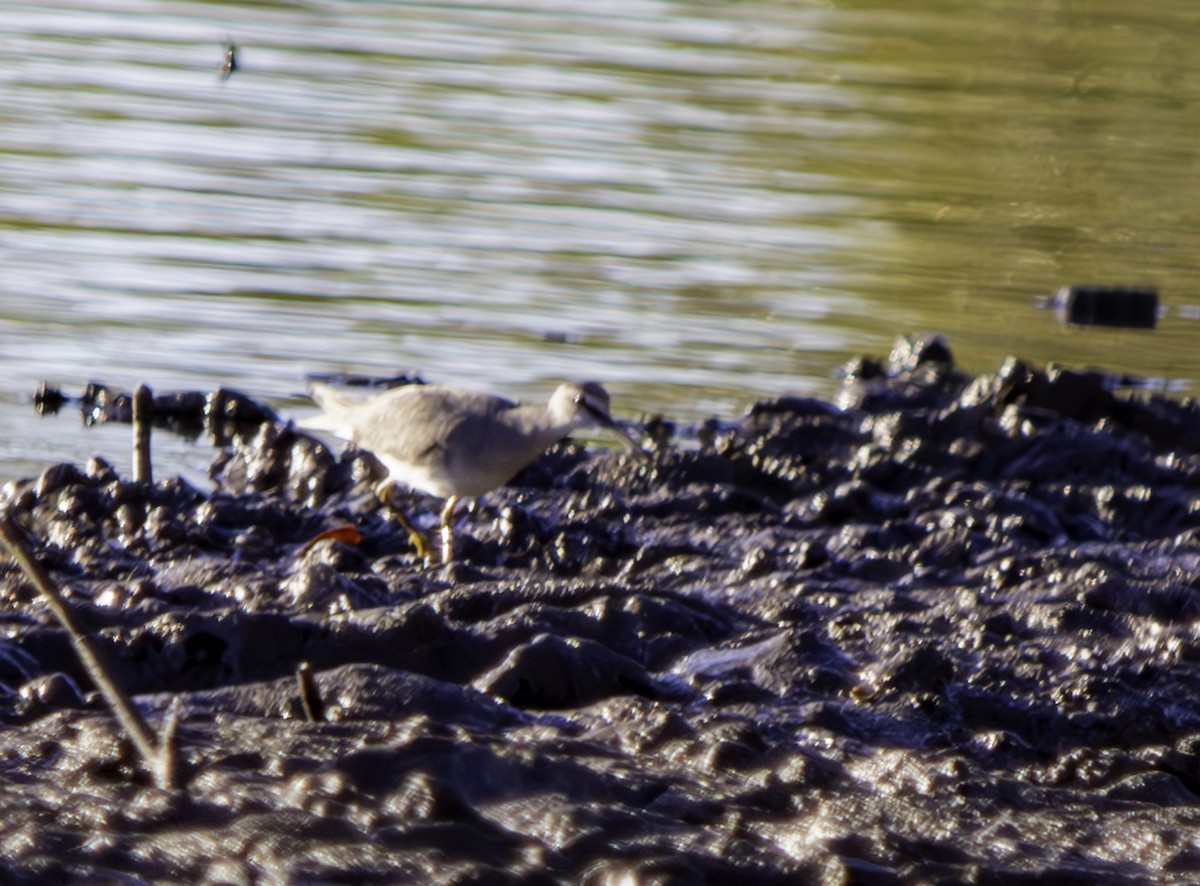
(418, 539)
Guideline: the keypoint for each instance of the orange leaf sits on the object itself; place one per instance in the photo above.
(345, 533)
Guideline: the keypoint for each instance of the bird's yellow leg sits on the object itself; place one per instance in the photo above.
(418, 538)
(447, 532)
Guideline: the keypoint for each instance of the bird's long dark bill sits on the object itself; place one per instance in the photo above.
(626, 440)
(605, 421)
(629, 444)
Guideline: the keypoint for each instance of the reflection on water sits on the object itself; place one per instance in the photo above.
(697, 203)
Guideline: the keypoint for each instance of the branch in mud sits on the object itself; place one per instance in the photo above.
(157, 752)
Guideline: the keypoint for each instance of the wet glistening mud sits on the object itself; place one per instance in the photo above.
(944, 631)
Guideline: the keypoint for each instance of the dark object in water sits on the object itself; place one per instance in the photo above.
(188, 413)
(229, 62)
(1092, 305)
(370, 382)
(47, 400)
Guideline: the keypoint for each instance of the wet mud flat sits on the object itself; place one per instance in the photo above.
(945, 631)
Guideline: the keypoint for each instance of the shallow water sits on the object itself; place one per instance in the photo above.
(700, 204)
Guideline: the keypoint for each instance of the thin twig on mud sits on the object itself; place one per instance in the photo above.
(159, 757)
(310, 696)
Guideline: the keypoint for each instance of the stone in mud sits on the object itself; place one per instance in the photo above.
(549, 672)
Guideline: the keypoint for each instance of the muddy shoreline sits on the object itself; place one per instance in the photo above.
(946, 630)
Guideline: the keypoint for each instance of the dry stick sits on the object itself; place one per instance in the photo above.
(310, 697)
(158, 758)
(143, 416)
(166, 770)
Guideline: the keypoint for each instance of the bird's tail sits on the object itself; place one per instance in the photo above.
(335, 404)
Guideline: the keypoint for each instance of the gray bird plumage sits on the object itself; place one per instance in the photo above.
(453, 442)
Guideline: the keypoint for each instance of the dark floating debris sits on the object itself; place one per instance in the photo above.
(229, 63)
(1091, 305)
(373, 382)
(47, 400)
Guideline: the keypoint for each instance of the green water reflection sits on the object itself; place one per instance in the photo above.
(699, 203)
